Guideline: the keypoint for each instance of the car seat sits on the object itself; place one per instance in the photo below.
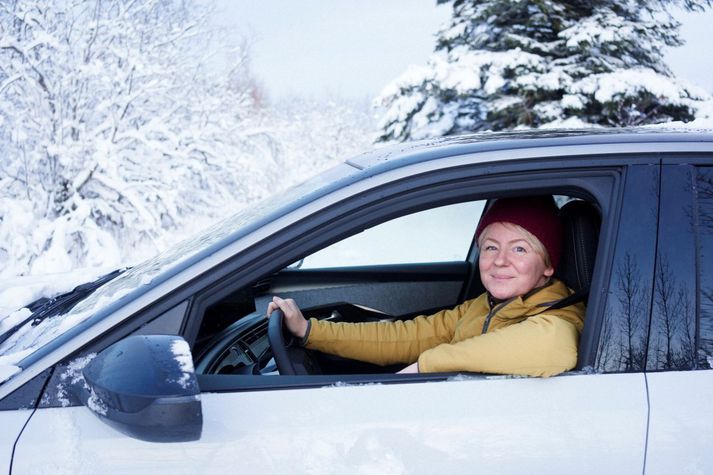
(581, 223)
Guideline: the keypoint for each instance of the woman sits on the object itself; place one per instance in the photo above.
(509, 329)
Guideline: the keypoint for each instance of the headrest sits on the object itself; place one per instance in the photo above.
(581, 223)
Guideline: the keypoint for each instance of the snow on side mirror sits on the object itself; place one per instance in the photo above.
(145, 387)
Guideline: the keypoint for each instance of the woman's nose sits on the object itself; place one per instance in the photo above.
(501, 258)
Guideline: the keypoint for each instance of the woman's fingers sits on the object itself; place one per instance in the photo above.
(294, 320)
(279, 304)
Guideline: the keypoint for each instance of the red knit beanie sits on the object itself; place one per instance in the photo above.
(537, 214)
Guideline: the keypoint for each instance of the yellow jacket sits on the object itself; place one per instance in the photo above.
(517, 340)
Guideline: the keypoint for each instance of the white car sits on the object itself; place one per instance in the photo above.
(169, 367)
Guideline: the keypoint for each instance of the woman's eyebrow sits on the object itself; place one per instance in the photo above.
(507, 242)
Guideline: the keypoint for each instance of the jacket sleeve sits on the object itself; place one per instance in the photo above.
(544, 345)
(385, 342)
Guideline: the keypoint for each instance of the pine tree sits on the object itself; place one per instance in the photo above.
(504, 64)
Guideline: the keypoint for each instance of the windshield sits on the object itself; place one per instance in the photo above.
(21, 347)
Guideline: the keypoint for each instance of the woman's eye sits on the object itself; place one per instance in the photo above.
(490, 247)
(519, 249)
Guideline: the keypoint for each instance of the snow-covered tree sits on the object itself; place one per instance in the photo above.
(114, 127)
(504, 64)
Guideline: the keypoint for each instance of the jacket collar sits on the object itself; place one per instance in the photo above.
(532, 301)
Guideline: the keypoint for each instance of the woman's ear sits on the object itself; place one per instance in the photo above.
(549, 271)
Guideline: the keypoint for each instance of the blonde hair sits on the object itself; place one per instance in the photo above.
(531, 239)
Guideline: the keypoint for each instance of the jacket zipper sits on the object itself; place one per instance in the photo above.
(492, 312)
(497, 307)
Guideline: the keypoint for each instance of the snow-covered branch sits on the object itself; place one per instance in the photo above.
(520, 64)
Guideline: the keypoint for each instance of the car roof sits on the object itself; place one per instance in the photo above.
(408, 153)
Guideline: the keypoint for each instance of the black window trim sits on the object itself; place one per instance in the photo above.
(573, 182)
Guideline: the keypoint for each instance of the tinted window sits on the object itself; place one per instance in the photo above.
(672, 331)
(622, 340)
(704, 187)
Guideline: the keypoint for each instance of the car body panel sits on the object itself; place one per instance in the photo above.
(453, 426)
(12, 424)
(680, 429)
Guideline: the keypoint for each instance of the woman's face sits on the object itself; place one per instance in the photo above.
(509, 266)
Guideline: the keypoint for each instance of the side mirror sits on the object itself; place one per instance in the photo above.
(145, 387)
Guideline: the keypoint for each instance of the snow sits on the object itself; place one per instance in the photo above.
(424, 124)
(20, 291)
(606, 87)
(10, 320)
(342, 384)
(95, 404)
(464, 377)
(8, 367)
(548, 110)
(572, 101)
(598, 29)
(551, 80)
(30, 337)
(7, 372)
(491, 74)
(568, 123)
(73, 376)
(182, 354)
(702, 124)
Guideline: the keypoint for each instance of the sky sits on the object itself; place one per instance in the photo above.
(353, 48)
(347, 48)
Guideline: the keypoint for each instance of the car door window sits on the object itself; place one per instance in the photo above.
(435, 235)
(673, 315)
(704, 195)
(622, 346)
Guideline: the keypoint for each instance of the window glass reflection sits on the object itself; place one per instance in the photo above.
(672, 332)
(704, 182)
(624, 329)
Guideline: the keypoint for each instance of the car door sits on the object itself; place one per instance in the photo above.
(588, 419)
(680, 353)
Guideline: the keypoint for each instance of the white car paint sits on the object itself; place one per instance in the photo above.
(12, 423)
(485, 425)
(681, 405)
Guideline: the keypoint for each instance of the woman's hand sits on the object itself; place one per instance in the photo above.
(412, 368)
(294, 320)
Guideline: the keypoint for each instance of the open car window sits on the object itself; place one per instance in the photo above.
(416, 264)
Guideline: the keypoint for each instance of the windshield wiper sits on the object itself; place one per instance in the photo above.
(44, 308)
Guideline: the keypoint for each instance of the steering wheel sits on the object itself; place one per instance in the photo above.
(289, 358)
